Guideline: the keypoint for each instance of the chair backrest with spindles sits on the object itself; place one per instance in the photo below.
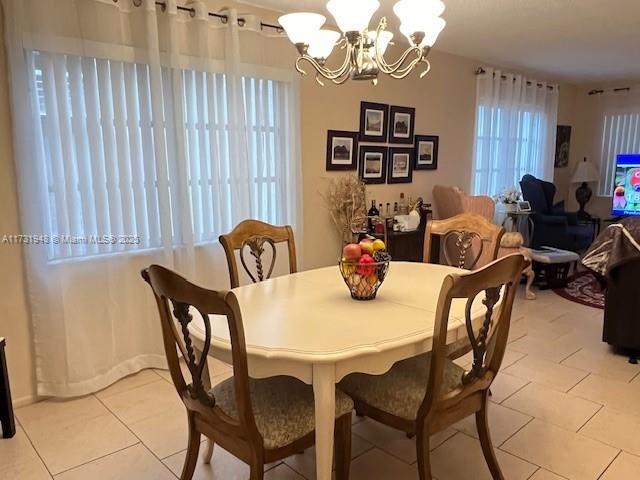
(489, 294)
(255, 235)
(467, 241)
(178, 301)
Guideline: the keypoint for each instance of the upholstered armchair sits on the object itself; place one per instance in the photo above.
(553, 227)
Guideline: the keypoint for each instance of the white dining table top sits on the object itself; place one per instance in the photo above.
(310, 316)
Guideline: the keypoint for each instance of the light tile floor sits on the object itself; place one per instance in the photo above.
(564, 407)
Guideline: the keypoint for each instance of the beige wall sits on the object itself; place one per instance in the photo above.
(444, 102)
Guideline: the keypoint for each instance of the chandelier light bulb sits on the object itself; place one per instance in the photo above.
(301, 27)
(322, 43)
(353, 15)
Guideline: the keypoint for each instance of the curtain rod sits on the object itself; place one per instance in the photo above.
(222, 17)
(480, 71)
(614, 90)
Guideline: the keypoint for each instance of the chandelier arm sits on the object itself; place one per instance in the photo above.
(403, 72)
(343, 70)
(427, 70)
(395, 66)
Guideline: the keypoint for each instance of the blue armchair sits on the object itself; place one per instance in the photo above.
(553, 227)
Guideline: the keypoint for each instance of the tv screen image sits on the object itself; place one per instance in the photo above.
(626, 191)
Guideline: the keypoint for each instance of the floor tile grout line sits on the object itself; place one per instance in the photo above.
(515, 433)
(591, 418)
(24, 430)
(569, 356)
(637, 375)
(139, 439)
(573, 388)
(609, 465)
(529, 382)
(98, 458)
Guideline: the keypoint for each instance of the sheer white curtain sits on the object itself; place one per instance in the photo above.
(141, 134)
(516, 120)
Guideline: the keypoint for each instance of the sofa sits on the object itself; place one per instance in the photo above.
(553, 226)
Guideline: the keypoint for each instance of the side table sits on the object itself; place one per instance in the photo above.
(594, 222)
(6, 407)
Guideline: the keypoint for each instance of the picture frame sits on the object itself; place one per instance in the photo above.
(373, 164)
(402, 125)
(426, 152)
(400, 165)
(342, 150)
(374, 122)
(563, 146)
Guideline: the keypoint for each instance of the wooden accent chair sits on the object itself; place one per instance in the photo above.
(254, 234)
(425, 394)
(258, 421)
(466, 241)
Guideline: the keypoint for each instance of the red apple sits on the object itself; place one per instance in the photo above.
(352, 252)
(366, 265)
(367, 246)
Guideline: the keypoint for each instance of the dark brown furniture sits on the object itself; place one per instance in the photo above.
(258, 421)
(424, 395)
(255, 235)
(622, 307)
(6, 406)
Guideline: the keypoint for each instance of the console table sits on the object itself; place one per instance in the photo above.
(6, 407)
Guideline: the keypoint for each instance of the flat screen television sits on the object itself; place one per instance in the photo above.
(626, 191)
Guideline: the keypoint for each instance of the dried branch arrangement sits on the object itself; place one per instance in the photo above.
(345, 200)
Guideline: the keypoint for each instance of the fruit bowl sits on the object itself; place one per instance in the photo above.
(364, 268)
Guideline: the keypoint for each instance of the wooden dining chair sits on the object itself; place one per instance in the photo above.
(467, 241)
(427, 393)
(254, 235)
(258, 421)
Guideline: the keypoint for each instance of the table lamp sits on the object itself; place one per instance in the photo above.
(584, 173)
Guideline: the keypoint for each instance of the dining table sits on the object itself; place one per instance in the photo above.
(307, 326)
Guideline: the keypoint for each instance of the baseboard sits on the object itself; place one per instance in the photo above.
(24, 401)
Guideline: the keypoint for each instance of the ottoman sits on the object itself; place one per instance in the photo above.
(552, 266)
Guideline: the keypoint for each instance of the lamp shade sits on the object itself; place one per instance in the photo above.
(353, 15)
(431, 27)
(585, 172)
(301, 27)
(322, 43)
(413, 10)
(383, 41)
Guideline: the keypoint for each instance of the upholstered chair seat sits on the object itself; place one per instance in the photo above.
(401, 390)
(283, 407)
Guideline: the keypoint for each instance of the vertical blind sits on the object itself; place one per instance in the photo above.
(508, 145)
(620, 134)
(97, 129)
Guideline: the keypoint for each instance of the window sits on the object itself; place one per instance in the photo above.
(509, 144)
(105, 178)
(620, 134)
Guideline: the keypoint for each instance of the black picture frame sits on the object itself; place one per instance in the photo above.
(399, 131)
(339, 160)
(373, 150)
(421, 160)
(368, 111)
(407, 171)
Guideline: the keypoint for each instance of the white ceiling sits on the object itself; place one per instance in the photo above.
(577, 41)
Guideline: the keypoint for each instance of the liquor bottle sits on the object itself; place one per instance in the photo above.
(403, 205)
(387, 212)
(395, 208)
(372, 213)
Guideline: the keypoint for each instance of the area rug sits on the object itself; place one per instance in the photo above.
(583, 288)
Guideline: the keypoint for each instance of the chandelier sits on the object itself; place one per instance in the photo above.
(364, 49)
